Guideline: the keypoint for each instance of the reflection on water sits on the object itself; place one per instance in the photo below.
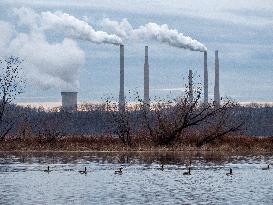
(22, 180)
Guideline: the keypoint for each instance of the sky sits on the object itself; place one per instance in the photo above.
(57, 58)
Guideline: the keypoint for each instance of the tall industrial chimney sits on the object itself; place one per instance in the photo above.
(190, 87)
(146, 80)
(69, 101)
(216, 86)
(121, 86)
(206, 93)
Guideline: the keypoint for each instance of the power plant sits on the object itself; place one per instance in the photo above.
(146, 100)
(216, 85)
(69, 101)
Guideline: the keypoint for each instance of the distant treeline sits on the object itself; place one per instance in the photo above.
(96, 119)
(165, 123)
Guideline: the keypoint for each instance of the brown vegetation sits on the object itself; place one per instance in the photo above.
(228, 144)
(182, 124)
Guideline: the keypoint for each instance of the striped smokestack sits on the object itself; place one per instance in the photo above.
(216, 85)
(121, 85)
(190, 87)
(146, 80)
(206, 93)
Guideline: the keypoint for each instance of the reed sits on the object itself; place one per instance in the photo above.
(85, 143)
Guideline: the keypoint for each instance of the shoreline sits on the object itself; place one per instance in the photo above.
(229, 145)
(136, 152)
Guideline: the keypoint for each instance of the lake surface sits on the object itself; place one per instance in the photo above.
(23, 181)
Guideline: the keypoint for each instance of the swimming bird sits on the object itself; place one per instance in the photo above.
(188, 172)
(266, 168)
(162, 167)
(47, 170)
(83, 172)
(119, 171)
(230, 172)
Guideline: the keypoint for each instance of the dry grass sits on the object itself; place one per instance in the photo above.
(228, 144)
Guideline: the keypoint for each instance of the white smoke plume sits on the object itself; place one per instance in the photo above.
(49, 64)
(77, 28)
(45, 65)
(153, 31)
(65, 23)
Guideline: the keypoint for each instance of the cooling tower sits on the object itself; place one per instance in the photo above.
(190, 87)
(146, 80)
(69, 101)
(216, 85)
(121, 85)
(206, 93)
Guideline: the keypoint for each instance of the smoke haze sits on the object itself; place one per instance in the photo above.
(77, 28)
(152, 31)
(49, 64)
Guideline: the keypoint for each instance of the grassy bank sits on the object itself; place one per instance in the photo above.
(228, 144)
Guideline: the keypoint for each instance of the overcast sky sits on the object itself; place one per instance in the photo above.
(241, 30)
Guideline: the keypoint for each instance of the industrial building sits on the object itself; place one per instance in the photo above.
(121, 80)
(146, 98)
(69, 101)
(216, 85)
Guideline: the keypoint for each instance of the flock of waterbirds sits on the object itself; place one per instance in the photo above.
(119, 170)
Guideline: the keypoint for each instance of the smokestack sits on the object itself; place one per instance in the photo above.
(146, 80)
(121, 85)
(190, 87)
(216, 86)
(206, 93)
(69, 101)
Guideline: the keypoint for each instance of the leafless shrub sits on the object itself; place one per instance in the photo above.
(51, 126)
(48, 133)
(170, 120)
(120, 122)
(23, 129)
(11, 85)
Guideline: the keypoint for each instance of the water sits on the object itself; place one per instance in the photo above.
(23, 181)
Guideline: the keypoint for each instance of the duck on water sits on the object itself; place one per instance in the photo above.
(119, 171)
(230, 172)
(47, 170)
(162, 167)
(188, 172)
(266, 168)
(83, 171)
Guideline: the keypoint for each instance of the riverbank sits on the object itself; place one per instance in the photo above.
(228, 144)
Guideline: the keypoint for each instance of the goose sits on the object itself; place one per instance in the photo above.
(230, 172)
(266, 168)
(162, 167)
(119, 171)
(47, 170)
(83, 172)
(188, 172)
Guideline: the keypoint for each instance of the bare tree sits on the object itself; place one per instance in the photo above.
(225, 120)
(11, 85)
(168, 120)
(50, 129)
(120, 122)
